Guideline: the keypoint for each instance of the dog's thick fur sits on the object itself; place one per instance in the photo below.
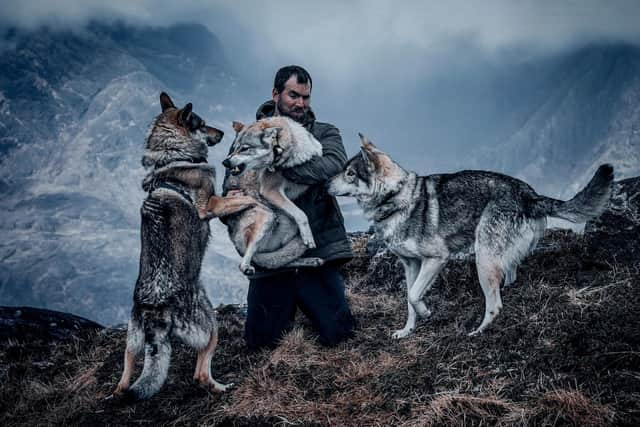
(258, 203)
(425, 220)
(168, 298)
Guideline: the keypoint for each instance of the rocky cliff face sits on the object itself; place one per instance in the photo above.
(582, 112)
(74, 109)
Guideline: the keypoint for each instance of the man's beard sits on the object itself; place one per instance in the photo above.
(301, 113)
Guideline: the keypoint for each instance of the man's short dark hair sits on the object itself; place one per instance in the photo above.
(285, 74)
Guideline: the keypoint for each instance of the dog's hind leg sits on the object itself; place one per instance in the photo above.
(504, 236)
(510, 275)
(156, 324)
(204, 356)
(135, 344)
(275, 195)
(198, 328)
(526, 234)
(490, 274)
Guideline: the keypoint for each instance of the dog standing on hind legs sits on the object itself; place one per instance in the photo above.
(424, 220)
(169, 298)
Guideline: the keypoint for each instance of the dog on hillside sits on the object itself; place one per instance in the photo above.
(169, 298)
(258, 197)
(425, 220)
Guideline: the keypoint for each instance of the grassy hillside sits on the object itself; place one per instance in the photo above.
(564, 351)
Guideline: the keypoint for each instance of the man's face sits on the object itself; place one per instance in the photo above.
(294, 100)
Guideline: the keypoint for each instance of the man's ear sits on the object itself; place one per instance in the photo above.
(185, 113)
(166, 102)
(237, 126)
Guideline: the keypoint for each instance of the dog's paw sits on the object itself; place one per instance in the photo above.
(203, 213)
(247, 269)
(309, 242)
(474, 333)
(401, 333)
(120, 389)
(221, 388)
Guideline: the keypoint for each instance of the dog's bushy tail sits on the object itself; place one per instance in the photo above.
(157, 354)
(588, 203)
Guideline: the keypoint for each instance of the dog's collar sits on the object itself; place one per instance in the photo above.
(386, 207)
(195, 160)
(167, 185)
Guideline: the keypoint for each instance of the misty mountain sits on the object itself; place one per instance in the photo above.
(74, 109)
(577, 111)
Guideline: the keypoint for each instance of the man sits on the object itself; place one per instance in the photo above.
(275, 295)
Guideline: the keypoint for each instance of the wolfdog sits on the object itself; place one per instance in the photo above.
(425, 220)
(259, 196)
(169, 298)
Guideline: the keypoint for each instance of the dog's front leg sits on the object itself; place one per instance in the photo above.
(272, 189)
(222, 206)
(429, 269)
(411, 269)
(252, 235)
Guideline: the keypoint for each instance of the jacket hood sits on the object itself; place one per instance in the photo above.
(268, 109)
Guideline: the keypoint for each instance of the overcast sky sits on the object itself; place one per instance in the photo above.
(346, 36)
(371, 60)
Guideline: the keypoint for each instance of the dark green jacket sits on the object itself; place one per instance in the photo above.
(321, 208)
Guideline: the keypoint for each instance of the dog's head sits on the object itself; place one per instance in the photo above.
(369, 175)
(178, 134)
(255, 146)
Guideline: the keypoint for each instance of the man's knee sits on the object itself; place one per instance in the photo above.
(335, 327)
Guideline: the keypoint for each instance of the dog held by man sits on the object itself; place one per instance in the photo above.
(424, 220)
(273, 232)
(169, 298)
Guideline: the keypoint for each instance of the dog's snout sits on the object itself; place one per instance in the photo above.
(226, 163)
(213, 140)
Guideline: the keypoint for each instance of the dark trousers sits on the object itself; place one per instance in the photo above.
(318, 292)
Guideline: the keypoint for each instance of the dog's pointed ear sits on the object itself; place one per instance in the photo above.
(367, 154)
(185, 113)
(237, 126)
(166, 102)
(366, 144)
(367, 158)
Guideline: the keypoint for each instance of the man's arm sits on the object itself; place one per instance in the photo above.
(320, 168)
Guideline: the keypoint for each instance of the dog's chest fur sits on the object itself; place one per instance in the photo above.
(411, 231)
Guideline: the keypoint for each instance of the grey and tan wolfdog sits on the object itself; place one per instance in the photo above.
(425, 220)
(266, 227)
(169, 298)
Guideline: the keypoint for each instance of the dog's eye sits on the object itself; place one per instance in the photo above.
(350, 173)
(243, 148)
